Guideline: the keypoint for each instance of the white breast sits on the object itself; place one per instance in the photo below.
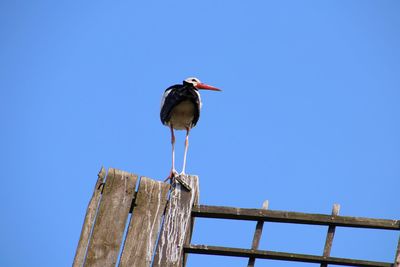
(182, 115)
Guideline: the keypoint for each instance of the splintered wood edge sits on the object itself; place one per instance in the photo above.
(88, 222)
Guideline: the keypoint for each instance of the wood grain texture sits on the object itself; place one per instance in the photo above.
(89, 220)
(145, 222)
(177, 224)
(111, 219)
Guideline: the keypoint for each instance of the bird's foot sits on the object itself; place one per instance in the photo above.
(171, 175)
(181, 179)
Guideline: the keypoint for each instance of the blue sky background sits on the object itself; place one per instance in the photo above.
(309, 116)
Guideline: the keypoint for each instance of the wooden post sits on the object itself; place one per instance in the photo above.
(330, 235)
(108, 230)
(89, 220)
(189, 231)
(177, 224)
(145, 222)
(257, 236)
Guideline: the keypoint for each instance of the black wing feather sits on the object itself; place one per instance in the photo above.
(178, 94)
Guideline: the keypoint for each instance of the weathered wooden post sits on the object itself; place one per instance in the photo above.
(178, 224)
(102, 235)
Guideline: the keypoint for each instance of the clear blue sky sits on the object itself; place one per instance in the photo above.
(309, 116)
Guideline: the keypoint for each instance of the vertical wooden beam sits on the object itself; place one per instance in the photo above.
(330, 235)
(111, 218)
(189, 230)
(397, 257)
(257, 236)
(177, 224)
(89, 220)
(144, 226)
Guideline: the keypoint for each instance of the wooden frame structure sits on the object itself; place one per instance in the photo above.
(153, 225)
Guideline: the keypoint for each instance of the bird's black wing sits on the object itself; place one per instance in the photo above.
(168, 102)
(174, 95)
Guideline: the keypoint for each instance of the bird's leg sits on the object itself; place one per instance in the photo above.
(173, 172)
(186, 149)
(173, 149)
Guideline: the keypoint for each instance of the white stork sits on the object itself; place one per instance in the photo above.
(180, 110)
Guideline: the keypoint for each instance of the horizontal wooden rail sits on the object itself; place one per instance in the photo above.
(292, 217)
(273, 255)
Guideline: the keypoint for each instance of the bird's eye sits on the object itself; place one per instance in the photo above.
(194, 80)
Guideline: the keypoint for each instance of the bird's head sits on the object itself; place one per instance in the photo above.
(199, 85)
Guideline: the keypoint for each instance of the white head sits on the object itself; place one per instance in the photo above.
(192, 80)
(199, 85)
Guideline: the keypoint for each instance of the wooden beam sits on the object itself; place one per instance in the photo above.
(292, 217)
(188, 238)
(330, 235)
(397, 257)
(177, 224)
(145, 222)
(89, 220)
(111, 219)
(273, 255)
(189, 230)
(257, 236)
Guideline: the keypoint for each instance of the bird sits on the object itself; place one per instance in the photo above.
(180, 110)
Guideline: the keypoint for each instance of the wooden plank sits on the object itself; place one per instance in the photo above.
(330, 235)
(111, 218)
(257, 236)
(89, 220)
(144, 226)
(292, 217)
(189, 230)
(177, 224)
(273, 255)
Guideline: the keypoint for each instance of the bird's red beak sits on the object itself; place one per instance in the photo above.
(204, 86)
